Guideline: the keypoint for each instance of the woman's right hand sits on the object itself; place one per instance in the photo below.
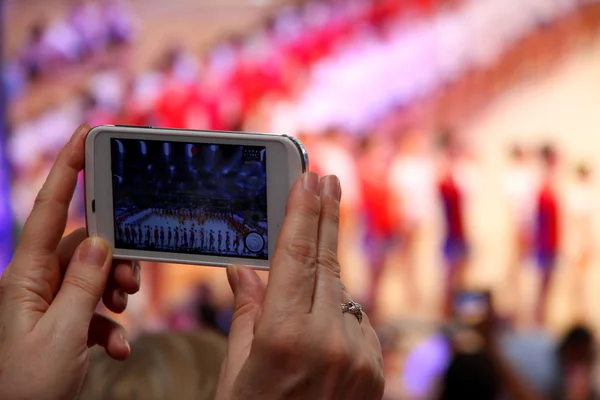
(290, 339)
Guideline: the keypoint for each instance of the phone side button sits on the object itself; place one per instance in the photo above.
(94, 206)
(133, 126)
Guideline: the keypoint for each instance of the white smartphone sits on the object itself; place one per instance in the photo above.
(191, 197)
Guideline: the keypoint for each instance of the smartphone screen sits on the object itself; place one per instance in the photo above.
(471, 307)
(177, 197)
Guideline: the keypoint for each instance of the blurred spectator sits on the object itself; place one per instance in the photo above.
(178, 102)
(161, 366)
(107, 86)
(95, 112)
(36, 54)
(510, 362)
(471, 376)
(87, 19)
(120, 23)
(13, 80)
(208, 314)
(480, 369)
(65, 40)
(577, 355)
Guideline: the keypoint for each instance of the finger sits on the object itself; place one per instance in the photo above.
(109, 334)
(371, 339)
(114, 298)
(83, 285)
(249, 292)
(126, 276)
(124, 280)
(68, 245)
(46, 223)
(351, 322)
(328, 288)
(293, 268)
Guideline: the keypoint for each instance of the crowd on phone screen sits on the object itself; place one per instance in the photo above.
(334, 73)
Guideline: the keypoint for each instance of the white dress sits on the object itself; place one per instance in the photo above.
(521, 187)
(581, 208)
(412, 180)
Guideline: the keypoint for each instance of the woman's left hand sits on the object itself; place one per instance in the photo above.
(50, 291)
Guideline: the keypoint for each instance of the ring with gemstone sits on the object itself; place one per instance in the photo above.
(353, 308)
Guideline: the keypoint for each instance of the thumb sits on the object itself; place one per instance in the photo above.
(83, 286)
(249, 292)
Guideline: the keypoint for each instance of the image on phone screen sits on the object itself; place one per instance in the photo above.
(177, 197)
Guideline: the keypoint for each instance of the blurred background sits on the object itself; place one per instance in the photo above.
(465, 134)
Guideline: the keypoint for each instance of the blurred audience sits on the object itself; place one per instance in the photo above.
(160, 366)
(577, 356)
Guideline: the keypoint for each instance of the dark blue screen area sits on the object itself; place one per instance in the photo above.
(190, 198)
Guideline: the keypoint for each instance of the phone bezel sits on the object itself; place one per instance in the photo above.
(286, 160)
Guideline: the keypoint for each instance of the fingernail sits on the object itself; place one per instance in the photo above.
(126, 343)
(233, 276)
(332, 187)
(123, 298)
(81, 130)
(311, 182)
(136, 271)
(93, 251)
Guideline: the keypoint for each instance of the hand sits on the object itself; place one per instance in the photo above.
(290, 339)
(50, 291)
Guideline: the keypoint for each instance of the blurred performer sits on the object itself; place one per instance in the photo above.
(521, 187)
(379, 229)
(192, 237)
(162, 236)
(453, 187)
(140, 235)
(169, 237)
(219, 241)
(202, 238)
(176, 238)
(333, 156)
(547, 229)
(227, 242)
(581, 209)
(412, 185)
(211, 239)
(134, 231)
(238, 242)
